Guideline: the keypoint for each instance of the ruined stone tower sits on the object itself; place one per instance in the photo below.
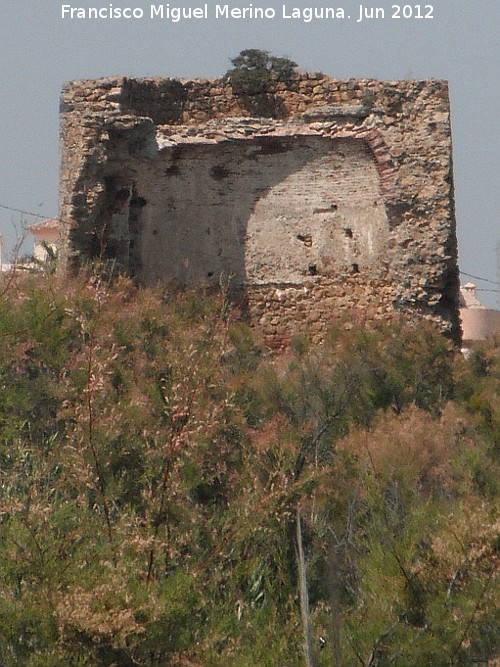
(317, 197)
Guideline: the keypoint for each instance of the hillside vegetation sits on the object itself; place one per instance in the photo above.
(172, 494)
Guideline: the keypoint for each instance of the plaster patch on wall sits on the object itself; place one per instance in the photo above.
(245, 219)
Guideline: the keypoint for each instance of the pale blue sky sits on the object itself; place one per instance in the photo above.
(39, 50)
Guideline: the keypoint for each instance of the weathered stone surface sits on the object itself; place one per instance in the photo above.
(317, 199)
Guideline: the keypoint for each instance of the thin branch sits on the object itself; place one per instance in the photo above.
(175, 438)
(473, 615)
(97, 465)
(378, 642)
(355, 650)
(304, 596)
(454, 579)
(396, 655)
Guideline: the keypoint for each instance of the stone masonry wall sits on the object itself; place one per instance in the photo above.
(319, 197)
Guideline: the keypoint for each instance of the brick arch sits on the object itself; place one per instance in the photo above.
(365, 132)
(383, 160)
(373, 138)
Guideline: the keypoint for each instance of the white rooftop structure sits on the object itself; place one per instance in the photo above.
(478, 322)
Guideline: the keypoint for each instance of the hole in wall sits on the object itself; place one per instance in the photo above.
(274, 145)
(138, 202)
(348, 232)
(219, 172)
(306, 239)
(355, 268)
(122, 195)
(327, 209)
(312, 270)
(173, 170)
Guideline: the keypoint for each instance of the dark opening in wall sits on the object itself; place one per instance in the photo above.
(139, 202)
(122, 195)
(173, 170)
(219, 172)
(348, 232)
(355, 268)
(136, 205)
(328, 209)
(312, 270)
(306, 239)
(117, 193)
(274, 145)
